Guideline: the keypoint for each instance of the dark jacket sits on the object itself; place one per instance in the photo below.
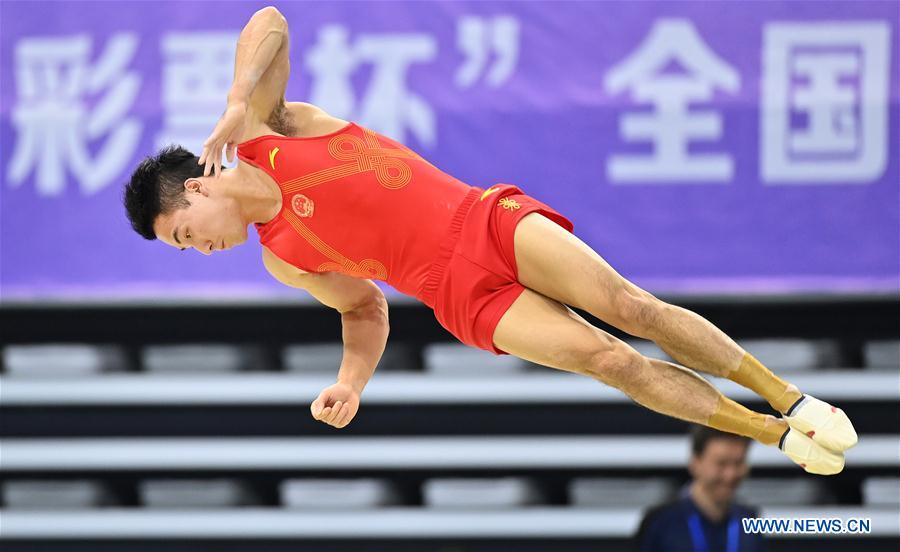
(674, 527)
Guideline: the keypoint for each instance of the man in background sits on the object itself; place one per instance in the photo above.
(705, 516)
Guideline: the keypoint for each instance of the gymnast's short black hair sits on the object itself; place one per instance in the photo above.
(702, 435)
(157, 187)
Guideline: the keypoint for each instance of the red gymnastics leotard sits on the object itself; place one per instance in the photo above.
(359, 203)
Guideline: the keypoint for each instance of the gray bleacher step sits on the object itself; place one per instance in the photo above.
(197, 357)
(456, 359)
(882, 354)
(505, 492)
(326, 357)
(881, 491)
(56, 495)
(340, 452)
(313, 357)
(338, 493)
(195, 493)
(396, 388)
(588, 492)
(62, 360)
(792, 354)
(773, 491)
(534, 522)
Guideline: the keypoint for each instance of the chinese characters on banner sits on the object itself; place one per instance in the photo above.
(53, 122)
(700, 147)
(834, 75)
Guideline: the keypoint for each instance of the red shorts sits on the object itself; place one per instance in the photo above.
(474, 277)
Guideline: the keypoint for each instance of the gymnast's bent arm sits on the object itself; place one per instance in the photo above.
(261, 70)
(364, 318)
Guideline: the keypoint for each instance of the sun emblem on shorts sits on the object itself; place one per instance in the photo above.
(507, 203)
(302, 205)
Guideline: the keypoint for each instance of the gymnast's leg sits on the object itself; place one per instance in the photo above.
(542, 330)
(557, 264)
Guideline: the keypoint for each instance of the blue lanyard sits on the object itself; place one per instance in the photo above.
(731, 543)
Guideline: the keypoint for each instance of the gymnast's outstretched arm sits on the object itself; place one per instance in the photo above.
(364, 318)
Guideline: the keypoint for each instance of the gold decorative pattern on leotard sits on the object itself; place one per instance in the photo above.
(362, 156)
(367, 268)
(508, 203)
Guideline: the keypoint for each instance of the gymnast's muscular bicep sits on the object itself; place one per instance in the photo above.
(333, 289)
(270, 88)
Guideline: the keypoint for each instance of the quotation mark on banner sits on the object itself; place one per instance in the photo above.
(477, 38)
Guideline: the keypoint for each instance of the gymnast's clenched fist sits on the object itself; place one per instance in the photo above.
(336, 405)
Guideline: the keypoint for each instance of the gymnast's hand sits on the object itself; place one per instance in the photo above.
(336, 405)
(226, 134)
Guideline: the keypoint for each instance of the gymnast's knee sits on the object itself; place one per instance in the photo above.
(619, 366)
(637, 312)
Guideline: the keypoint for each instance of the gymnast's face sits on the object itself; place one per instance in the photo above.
(211, 223)
(720, 468)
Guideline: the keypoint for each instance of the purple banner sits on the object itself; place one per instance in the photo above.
(700, 147)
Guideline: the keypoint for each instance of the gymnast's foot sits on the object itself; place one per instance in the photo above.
(827, 425)
(811, 456)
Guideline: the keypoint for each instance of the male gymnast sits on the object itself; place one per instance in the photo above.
(337, 205)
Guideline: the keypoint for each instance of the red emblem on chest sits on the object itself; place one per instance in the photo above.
(302, 205)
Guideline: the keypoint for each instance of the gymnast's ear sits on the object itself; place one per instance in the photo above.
(195, 185)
